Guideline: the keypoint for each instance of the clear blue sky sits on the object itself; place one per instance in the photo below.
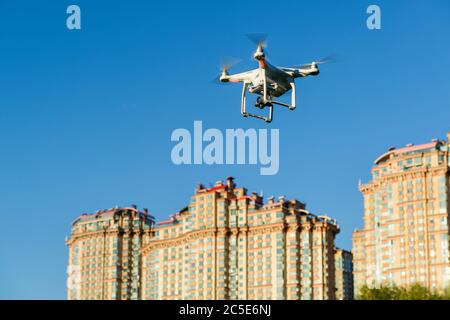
(86, 116)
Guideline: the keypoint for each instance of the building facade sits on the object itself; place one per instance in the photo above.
(105, 254)
(227, 244)
(343, 260)
(405, 238)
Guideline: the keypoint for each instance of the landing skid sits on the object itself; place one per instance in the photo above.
(266, 119)
(265, 102)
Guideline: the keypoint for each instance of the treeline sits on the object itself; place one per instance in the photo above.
(392, 292)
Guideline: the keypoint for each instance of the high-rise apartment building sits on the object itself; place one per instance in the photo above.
(343, 261)
(227, 244)
(105, 254)
(405, 238)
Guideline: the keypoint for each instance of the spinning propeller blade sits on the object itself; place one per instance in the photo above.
(260, 39)
(216, 80)
(226, 64)
(327, 59)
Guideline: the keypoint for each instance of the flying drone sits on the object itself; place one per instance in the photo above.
(268, 81)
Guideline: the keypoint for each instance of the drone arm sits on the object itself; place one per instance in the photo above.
(240, 77)
(297, 72)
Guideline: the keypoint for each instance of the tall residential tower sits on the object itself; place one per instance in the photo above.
(105, 254)
(227, 244)
(343, 261)
(405, 238)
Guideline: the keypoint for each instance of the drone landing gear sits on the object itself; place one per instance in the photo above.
(266, 119)
(265, 101)
(259, 103)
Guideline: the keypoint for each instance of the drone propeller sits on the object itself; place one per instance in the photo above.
(327, 59)
(260, 39)
(216, 80)
(225, 65)
(229, 62)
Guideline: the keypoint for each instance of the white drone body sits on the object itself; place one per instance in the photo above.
(269, 82)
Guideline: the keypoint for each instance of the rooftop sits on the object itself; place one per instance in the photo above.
(110, 212)
(256, 199)
(407, 149)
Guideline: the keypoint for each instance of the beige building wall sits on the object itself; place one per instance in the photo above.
(229, 245)
(405, 237)
(105, 254)
(344, 274)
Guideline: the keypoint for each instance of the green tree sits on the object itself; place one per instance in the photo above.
(382, 292)
(392, 292)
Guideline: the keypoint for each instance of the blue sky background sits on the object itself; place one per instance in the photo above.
(86, 116)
